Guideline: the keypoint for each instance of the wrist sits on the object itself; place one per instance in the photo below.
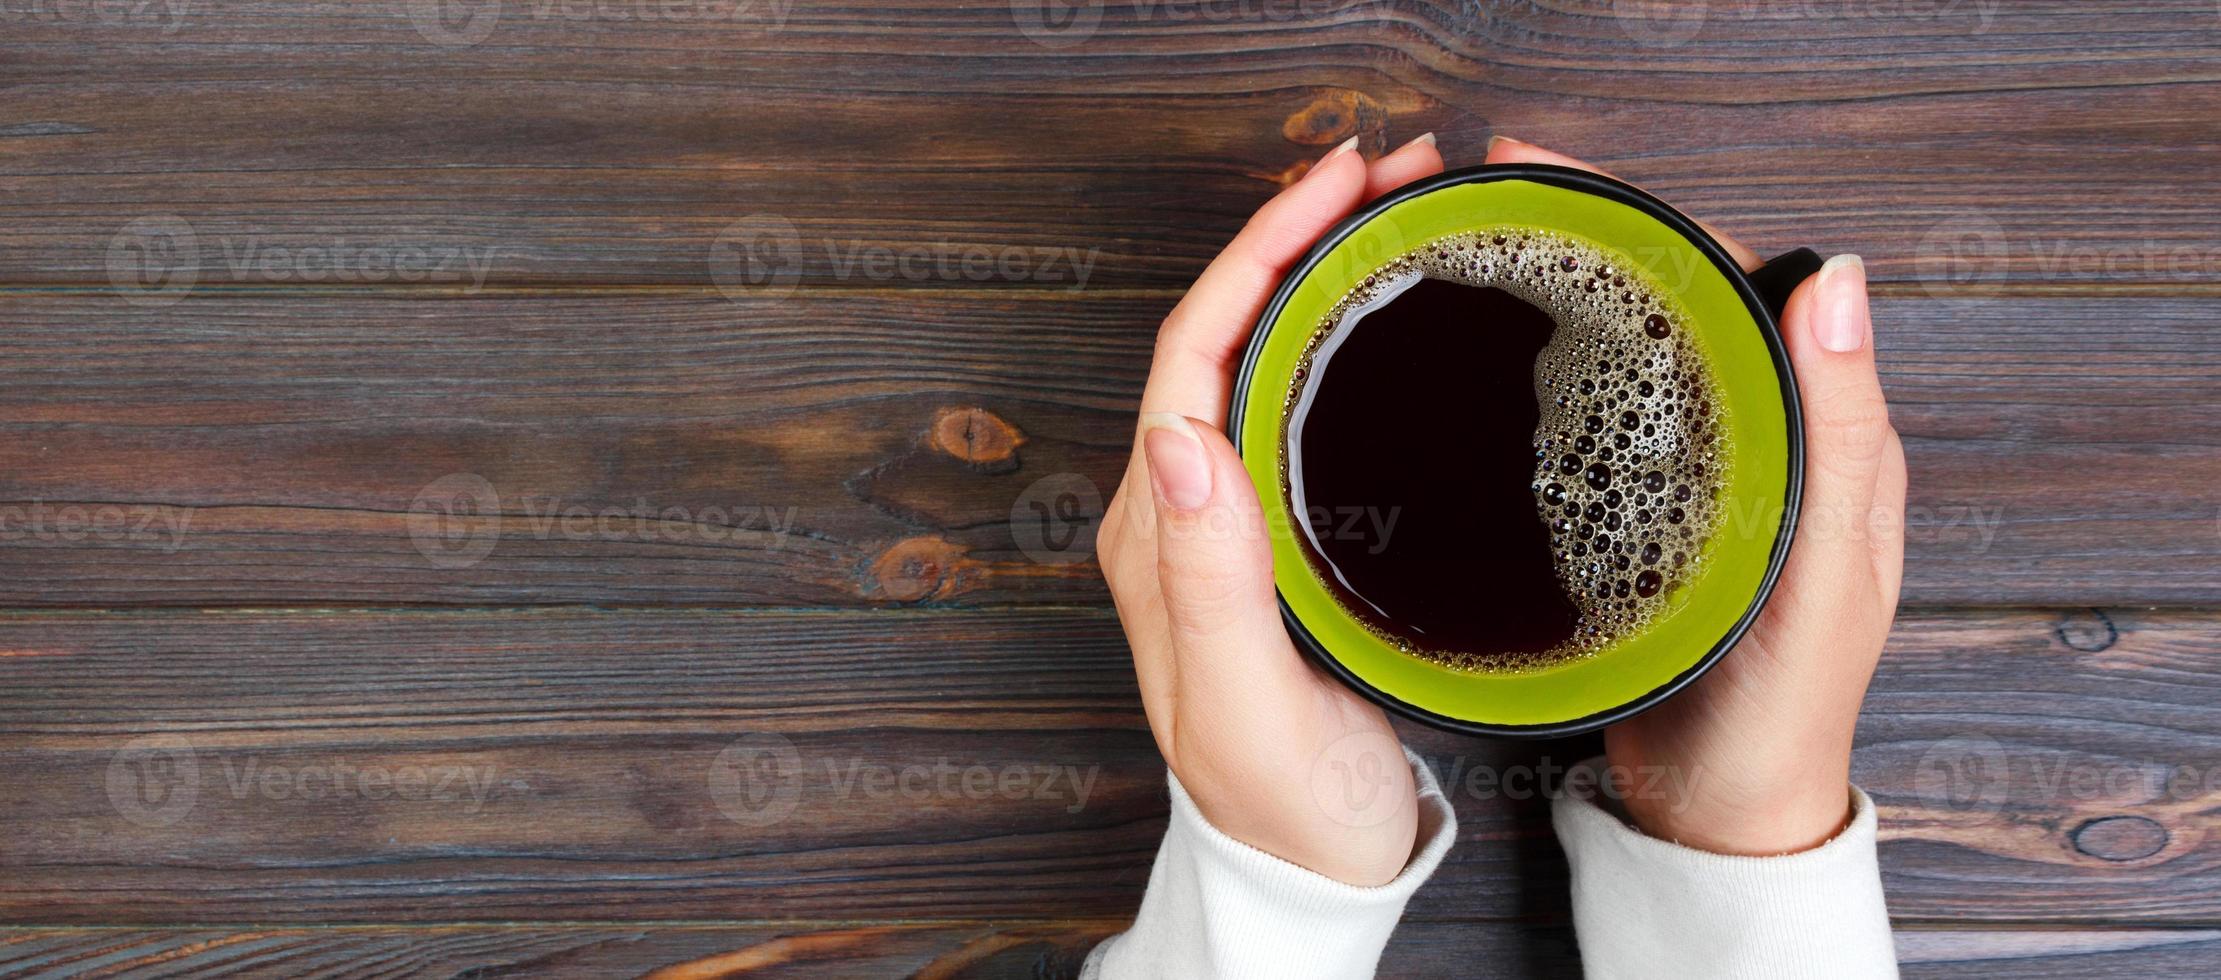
(1352, 817)
(1366, 854)
(1788, 820)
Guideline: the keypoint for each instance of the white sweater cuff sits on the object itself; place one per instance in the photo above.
(1217, 907)
(1644, 907)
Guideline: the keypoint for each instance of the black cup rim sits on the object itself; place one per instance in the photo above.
(1793, 412)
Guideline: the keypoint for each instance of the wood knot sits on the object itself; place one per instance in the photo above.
(914, 569)
(2120, 838)
(976, 436)
(2090, 631)
(1334, 115)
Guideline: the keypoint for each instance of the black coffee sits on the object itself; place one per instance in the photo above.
(1503, 450)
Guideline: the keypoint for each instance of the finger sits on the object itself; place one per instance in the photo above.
(1411, 161)
(1888, 525)
(1847, 434)
(1192, 372)
(1127, 550)
(1214, 564)
(1504, 149)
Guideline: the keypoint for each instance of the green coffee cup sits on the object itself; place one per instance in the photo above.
(1735, 316)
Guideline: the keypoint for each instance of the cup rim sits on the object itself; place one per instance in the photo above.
(1769, 330)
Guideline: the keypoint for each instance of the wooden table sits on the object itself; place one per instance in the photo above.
(567, 489)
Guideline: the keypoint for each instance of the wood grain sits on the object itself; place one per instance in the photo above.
(1960, 145)
(2073, 954)
(696, 765)
(886, 449)
(1020, 951)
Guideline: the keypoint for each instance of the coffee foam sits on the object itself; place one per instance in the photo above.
(1628, 455)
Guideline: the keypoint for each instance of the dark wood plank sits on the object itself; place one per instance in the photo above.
(799, 950)
(2042, 762)
(1948, 142)
(1020, 951)
(2072, 954)
(587, 766)
(881, 449)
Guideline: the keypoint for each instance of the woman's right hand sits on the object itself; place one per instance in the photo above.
(1274, 753)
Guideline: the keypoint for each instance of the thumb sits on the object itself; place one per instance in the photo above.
(1214, 558)
(1847, 432)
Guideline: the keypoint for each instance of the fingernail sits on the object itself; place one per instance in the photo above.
(1424, 138)
(1179, 469)
(1347, 145)
(1839, 320)
(1493, 140)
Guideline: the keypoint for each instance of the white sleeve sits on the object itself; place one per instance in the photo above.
(1644, 907)
(1217, 907)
